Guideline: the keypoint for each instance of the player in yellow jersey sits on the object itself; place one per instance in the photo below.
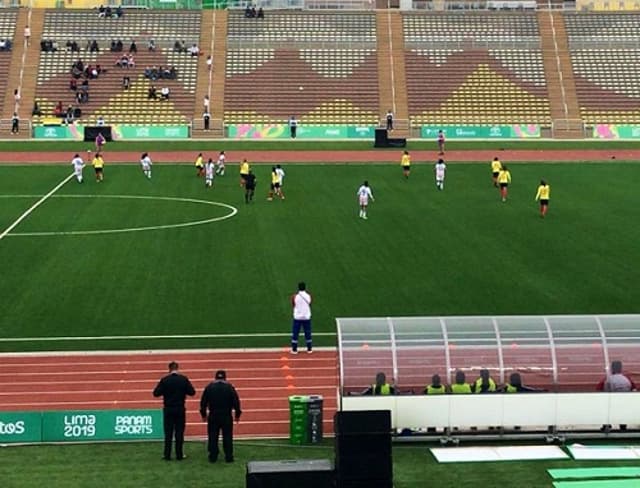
(275, 185)
(405, 162)
(98, 166)
(244, 171)
(504, 178)
(199, 165)
(544, 191)
(496, 166)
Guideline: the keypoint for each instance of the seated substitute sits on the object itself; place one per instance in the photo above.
(436, 387)
(515, 385)
(460, 387)
(485, 383)
(380, 387)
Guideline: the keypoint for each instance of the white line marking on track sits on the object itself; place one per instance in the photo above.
(166, 352)
(154, 337)
(34, 206)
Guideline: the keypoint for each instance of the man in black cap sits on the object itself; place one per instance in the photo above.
(174, 388)
(219, 398)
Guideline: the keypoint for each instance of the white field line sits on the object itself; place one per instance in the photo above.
(34, 206)
(164, 352)
(150, 337)
(192, 223)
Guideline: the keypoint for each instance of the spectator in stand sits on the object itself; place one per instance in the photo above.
(133, 48)
(209, 62)
(3, 45)
(460, 386)
(93, 47)
(119, 46)
(126, 82)
(164, 92)
(260, 14)
(180, 47)
(27, 35)
(100, 121)
(207, 103)
(247, 12)
(93, 72)
(16, 96)
(119, 12)
(84, 86)
(54, 46)
(122, 61)
(380, 387)
(152, 95)
(36, 109)
(113, 47)
(73, 84)
(193, 50)
(132, 62)
(151, 45)
(484, 384)
(102, 11)
(173, 74)
(69, 115)
(207, 119)
(58, 111)
(108, 12)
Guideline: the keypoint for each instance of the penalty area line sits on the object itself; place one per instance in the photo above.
(34, 206)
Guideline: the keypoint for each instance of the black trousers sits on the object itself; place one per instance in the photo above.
(215, 424)
(174, 422)
(293, 131)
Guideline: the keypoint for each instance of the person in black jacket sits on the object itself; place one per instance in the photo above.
(174, 388)
(219, 398)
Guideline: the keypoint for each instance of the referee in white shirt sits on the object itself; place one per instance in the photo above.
(301, 302)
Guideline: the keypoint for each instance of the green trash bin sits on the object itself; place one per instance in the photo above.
(305, 419)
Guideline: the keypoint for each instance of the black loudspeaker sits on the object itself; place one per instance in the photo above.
(311, 473)
(90, 133)
(363, 449)
(382, 139)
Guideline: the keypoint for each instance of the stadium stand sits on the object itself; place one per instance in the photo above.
(605, 55)
(107, 97)
(505, 83)
(319, 66)
(7, 31)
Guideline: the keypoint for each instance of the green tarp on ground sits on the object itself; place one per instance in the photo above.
(597, 484)
(591, 473)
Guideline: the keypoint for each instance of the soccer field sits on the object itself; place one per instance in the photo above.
(422, 252)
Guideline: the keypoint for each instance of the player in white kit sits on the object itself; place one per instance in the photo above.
(440, 169)
(77, 164)
(209, 173)
(220, 168)
(145, 162)
(364, 194)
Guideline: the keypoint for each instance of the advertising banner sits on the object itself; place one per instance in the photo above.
(101, 425)
(281, 131)
(150, 131)
(60, 132)
(614, 131)
(482, 131)
(19, 427)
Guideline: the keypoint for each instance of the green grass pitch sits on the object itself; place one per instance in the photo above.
(422, 252)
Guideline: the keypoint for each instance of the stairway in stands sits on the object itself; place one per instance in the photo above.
(565, 112)
(213, 40)
(28, 83)
(392, 86)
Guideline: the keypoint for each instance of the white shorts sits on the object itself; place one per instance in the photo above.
(364, 201)
(146, 167)
(440, 177)
(77, 170)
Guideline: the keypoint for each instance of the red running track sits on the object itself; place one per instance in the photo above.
(264, 380)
